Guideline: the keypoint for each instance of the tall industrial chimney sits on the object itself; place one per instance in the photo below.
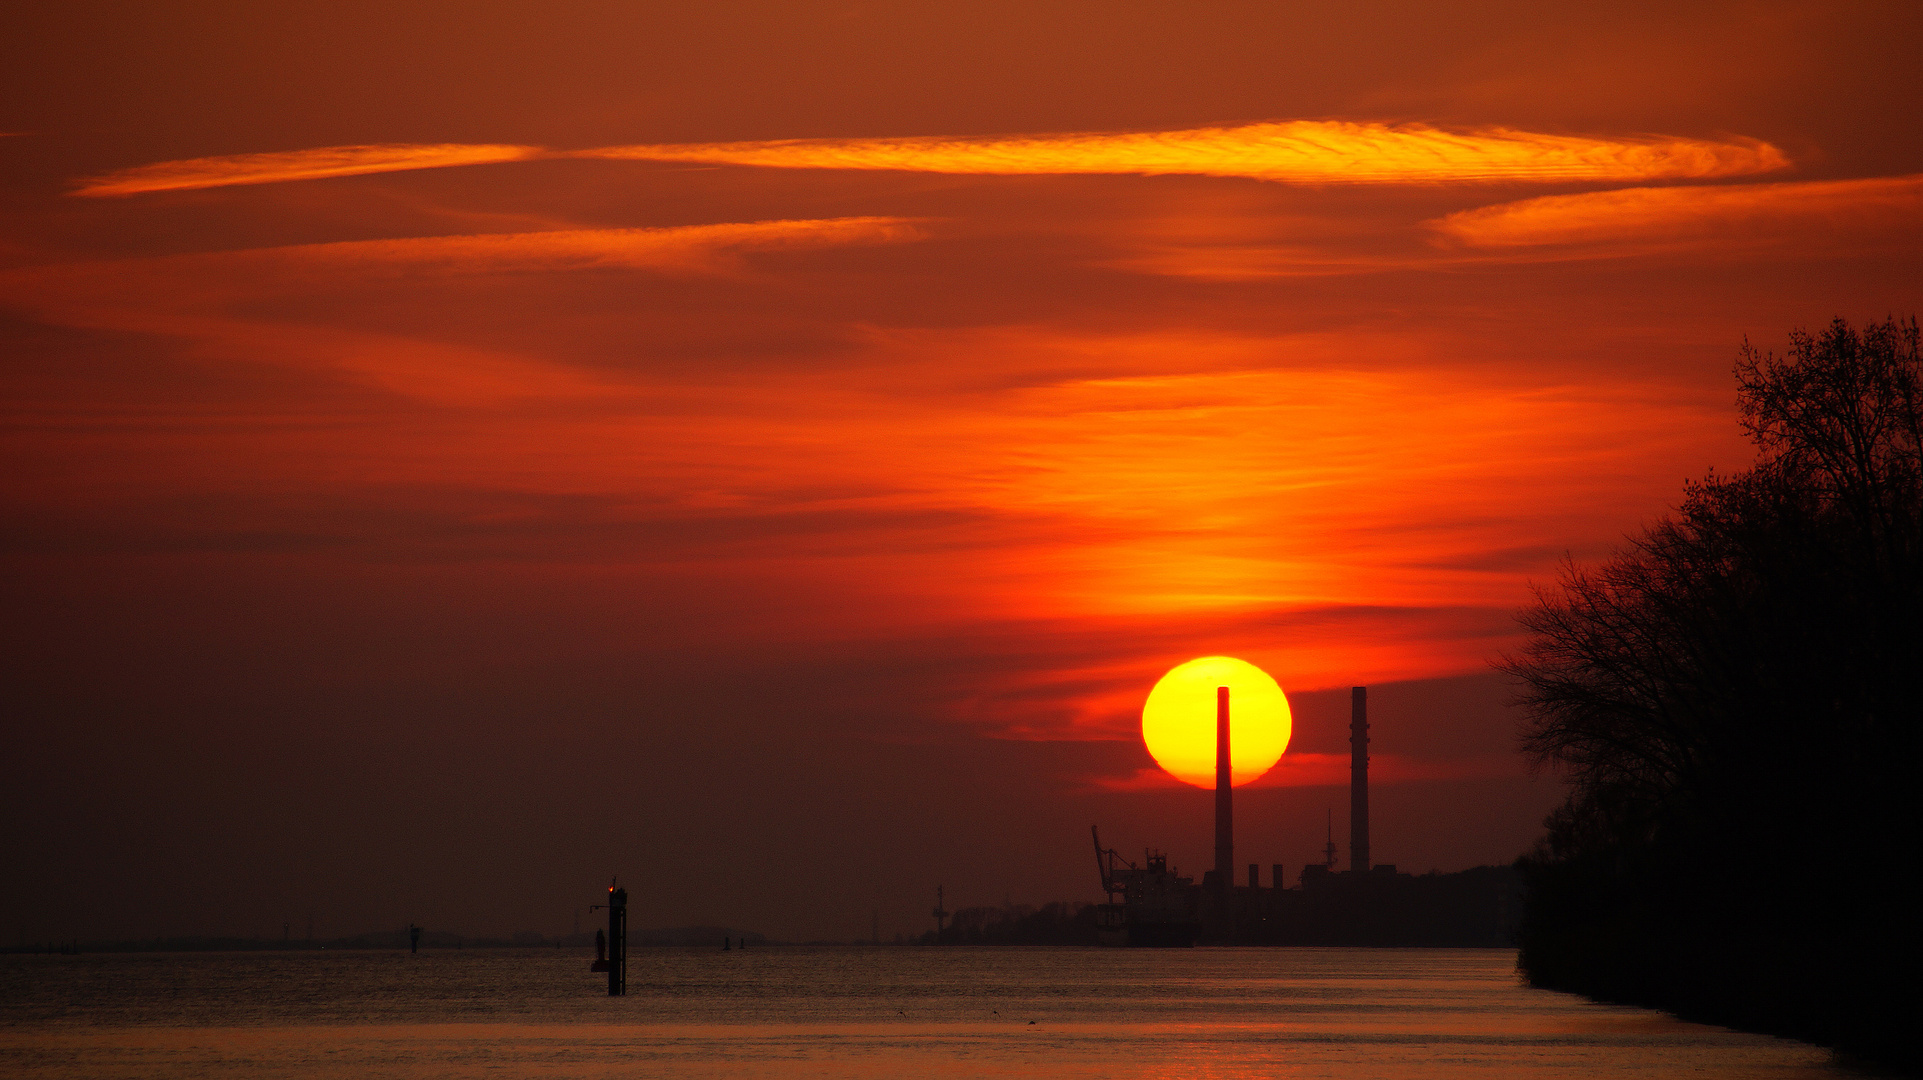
(1359, 779)
(1224, 797)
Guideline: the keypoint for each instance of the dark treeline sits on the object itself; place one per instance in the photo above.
(1735, 700)
(1059, 923)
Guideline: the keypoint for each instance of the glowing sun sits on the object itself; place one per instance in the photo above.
(1178, 720)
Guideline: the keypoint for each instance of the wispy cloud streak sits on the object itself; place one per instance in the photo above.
(1681, 213)
(689, 247)
(1300, 151)
(313, 164)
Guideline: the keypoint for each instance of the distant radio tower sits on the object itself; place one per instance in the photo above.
(939, 912)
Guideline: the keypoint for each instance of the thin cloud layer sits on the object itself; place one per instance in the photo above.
(1300, 151)
(224, 276)
(1682, 213)
(313, 164)
(194, 297)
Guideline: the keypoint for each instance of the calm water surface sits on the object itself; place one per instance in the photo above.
(880, 1012)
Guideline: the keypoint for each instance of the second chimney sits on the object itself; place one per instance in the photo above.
(1359, 779)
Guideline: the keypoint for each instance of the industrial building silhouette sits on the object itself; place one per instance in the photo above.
(1151, 904)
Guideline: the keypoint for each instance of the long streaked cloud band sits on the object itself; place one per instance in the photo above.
(1299, 151)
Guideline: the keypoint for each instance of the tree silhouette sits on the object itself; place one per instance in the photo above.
(1734, 699)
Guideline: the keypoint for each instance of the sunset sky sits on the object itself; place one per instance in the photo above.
(457, 452)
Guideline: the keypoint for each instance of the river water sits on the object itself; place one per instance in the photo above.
(845, 1012)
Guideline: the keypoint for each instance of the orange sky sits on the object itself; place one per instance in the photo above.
(714, 415)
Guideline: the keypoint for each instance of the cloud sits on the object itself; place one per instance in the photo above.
(205, 297)
(229, 275)
(1681, 214)
(313, 164)
(1295, 151)
(1299, 151)
(1253, 262)
(689, 247)
(1881, 213)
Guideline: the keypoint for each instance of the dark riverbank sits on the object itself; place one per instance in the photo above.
(1856, 999)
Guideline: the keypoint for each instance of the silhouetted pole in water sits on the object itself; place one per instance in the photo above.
(413, 938)
(611, 946)
(1359, 779)
(617, 941)
(1224, 796)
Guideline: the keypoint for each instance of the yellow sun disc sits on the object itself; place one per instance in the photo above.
(1178, 720)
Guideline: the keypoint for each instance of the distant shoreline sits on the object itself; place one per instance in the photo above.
(388, 941)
